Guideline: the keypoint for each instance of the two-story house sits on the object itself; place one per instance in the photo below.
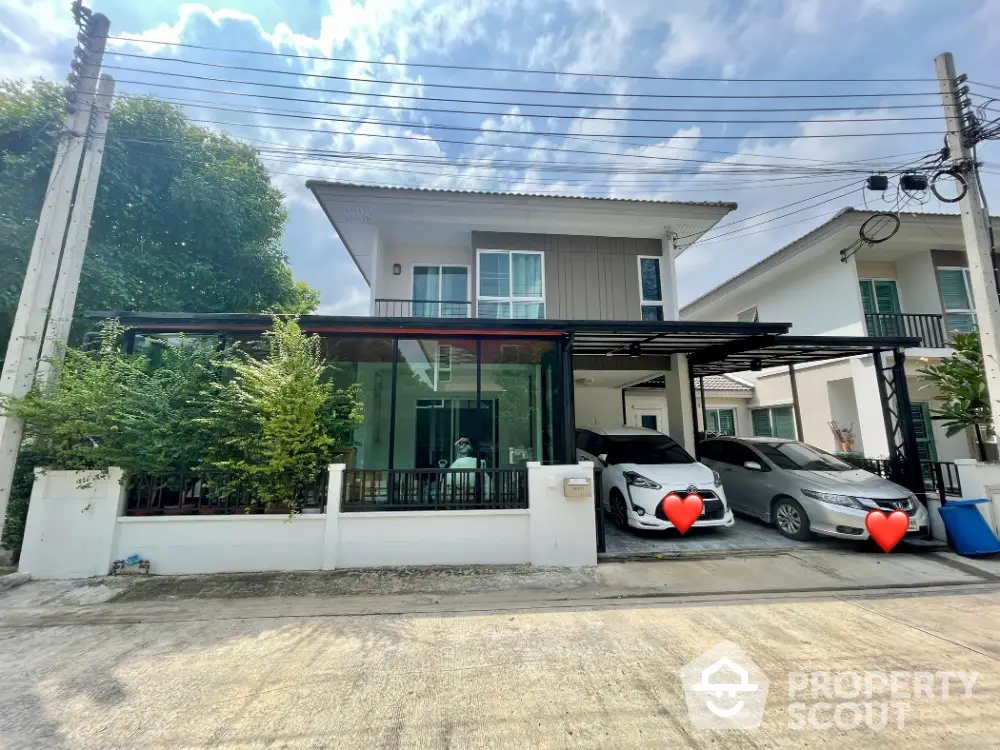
(915, 283)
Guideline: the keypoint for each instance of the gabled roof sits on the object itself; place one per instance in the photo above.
(312, 184)
(847, 218)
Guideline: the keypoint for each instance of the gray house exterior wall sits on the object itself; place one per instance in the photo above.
(586, 278)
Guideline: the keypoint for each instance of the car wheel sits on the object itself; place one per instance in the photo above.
(791, 519)
(619, 511)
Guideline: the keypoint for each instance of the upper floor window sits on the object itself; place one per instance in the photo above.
(650, 288)
(748, 316)
(880, 302)
(510, 284)
(956, 298)
(440, 291)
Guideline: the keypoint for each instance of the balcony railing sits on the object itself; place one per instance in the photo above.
(421, 308)
(928, 328)
(434, 489)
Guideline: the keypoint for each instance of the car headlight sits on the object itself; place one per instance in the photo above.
(638, 480)
(717, 478)
(834, 499)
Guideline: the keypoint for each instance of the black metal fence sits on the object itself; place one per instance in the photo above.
(207, 493)
(421, 308)
(434, 489)
(928, 328)
(940, 477)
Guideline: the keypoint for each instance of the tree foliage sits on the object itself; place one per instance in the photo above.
(281, 417)
(186, 219)
(272, 420)
(963, 401)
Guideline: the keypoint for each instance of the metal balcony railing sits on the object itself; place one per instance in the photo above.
(420, 308)
(928, 328)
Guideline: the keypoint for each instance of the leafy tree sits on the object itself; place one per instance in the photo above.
(961, 380)
(282, 418)
(186, 219)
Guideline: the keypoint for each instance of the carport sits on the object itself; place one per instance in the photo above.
(754, 351)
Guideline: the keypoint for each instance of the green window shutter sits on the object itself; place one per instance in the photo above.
(954, 295)
(727, 422)
(761, 422)
(886, 297)
(713, 421)
(867, 296)
(784, 422)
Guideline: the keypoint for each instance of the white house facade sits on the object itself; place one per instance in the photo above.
(914, 284)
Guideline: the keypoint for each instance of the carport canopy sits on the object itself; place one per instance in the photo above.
(784, 351)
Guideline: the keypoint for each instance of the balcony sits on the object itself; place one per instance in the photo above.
(928, 328)
(419, 308)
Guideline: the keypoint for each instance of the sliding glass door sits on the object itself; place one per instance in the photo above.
(441, 292)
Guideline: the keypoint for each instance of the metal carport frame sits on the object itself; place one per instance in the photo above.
(788, 351)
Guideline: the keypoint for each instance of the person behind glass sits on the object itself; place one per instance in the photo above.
(465, 459)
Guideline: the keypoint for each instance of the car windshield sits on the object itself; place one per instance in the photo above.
(799, 456)
(644, 449)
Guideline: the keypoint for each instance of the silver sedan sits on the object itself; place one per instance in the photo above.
(803, 490)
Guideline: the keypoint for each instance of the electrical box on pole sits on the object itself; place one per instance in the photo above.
(976, 228)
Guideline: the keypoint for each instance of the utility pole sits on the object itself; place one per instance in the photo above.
(43, 264)
(976, 227)
(68, 280)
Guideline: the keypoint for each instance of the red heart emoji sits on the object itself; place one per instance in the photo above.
(887, 528)
(682, 513)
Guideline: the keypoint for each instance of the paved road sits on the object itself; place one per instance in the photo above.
(238, 673)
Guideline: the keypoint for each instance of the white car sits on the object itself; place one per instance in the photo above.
(640, 467)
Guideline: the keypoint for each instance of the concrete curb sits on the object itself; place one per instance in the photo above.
(13, 580)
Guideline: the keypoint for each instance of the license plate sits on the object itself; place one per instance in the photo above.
(913, 525)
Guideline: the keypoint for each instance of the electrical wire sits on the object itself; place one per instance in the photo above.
(593, 118)
(533, 71)
(547, 105)
(508, 89)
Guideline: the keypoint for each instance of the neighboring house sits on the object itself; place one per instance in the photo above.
(914, 284)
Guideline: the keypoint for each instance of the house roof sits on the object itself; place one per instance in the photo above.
(312, 184)
(844, 219)
(728, 383)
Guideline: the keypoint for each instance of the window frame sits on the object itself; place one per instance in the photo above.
(643, 302)
(440, 302)
(971, 311)
(871, 280)
(710, 409)
(770, 419)
(510, 299)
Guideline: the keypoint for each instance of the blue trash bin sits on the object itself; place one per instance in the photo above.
(968, 531)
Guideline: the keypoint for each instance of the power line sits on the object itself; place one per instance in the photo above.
(548, 105)
(417, 109)
(210, 105)
(547, 92)
(387, 95)
(534, 71)
(507, 131)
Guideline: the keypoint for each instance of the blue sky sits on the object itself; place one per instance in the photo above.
(738, 40)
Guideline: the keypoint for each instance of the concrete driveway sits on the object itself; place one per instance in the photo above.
(549, 662)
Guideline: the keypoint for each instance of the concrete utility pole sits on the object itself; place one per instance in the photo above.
(976, 227)
(24, 347)
(68, 281)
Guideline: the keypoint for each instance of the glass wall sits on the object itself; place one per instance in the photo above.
(366, 362)
(459, 402)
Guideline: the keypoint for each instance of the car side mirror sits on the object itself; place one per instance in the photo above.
(753, 466)
(603, 458)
